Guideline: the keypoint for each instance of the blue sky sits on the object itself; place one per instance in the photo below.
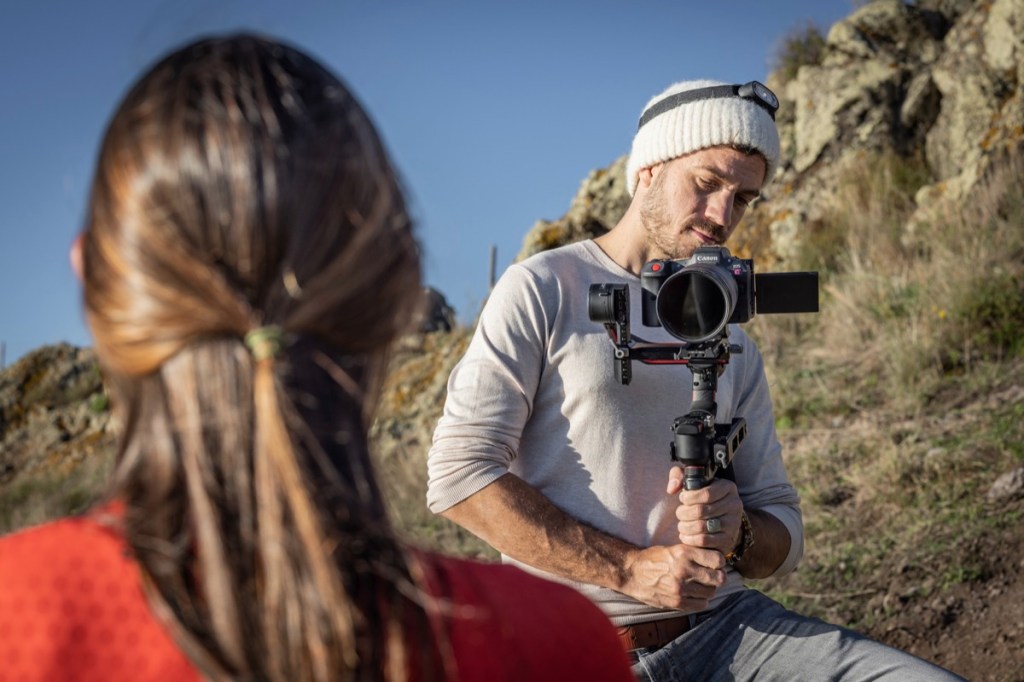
(493, 111)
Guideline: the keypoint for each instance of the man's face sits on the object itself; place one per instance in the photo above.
(698, 199)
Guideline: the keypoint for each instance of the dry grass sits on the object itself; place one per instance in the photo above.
(902, 309)
(58, 491)
(901, 402)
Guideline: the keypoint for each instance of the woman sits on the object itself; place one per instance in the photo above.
(247, 262)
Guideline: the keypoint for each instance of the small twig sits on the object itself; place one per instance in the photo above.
(834, 595)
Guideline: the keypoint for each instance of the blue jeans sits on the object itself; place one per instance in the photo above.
(753, 637)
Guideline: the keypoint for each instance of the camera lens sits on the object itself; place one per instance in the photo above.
(696, 303)
(601, 303)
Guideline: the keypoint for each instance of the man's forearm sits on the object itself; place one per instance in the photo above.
(770, 548)
(518, 521)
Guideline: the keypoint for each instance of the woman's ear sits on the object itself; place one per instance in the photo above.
(75, 256)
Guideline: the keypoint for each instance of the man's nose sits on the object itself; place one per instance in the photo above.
(720, 208)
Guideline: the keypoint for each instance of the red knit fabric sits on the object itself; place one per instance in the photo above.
(72, 608)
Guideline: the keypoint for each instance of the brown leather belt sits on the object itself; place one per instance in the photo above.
(654, 633)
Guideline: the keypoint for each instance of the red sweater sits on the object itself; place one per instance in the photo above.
(72, 608)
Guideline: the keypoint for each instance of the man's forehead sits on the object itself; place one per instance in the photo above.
(727, 162)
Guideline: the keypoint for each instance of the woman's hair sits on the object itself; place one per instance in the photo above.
(241, 193)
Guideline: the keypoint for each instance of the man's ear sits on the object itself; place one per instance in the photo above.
(645, 176)
(75, 256)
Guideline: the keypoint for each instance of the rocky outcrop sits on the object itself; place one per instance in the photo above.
(940, 81)
(53, 413)
(980, 76)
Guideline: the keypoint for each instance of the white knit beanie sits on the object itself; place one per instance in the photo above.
(702, 123)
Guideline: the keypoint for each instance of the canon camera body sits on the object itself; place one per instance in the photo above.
(694, 299)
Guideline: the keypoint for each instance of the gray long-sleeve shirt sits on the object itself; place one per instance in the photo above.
(536, 395)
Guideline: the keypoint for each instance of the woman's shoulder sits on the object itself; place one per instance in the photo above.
(49, 547)
(72, 605)
(526, 627)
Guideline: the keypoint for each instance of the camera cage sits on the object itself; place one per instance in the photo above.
(700, 445)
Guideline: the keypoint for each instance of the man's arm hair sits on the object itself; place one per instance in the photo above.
(521, 523)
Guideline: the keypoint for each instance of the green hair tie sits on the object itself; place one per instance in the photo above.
(264, 342)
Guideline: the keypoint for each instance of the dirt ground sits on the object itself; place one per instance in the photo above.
(975, 629)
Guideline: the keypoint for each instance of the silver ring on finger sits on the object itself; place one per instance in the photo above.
(713, 525)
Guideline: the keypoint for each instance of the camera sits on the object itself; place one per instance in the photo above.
(694, 299)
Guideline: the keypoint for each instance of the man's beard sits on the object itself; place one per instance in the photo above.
(665, 240)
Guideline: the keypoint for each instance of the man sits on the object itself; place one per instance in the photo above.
(544, 454)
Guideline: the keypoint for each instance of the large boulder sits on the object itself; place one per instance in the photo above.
(981, 121)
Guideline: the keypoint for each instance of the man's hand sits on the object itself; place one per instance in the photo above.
(719, 500)
(676, 577)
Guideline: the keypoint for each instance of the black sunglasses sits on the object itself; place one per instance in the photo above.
(754, 91)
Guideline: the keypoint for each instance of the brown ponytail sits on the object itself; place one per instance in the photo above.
(241, 187)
